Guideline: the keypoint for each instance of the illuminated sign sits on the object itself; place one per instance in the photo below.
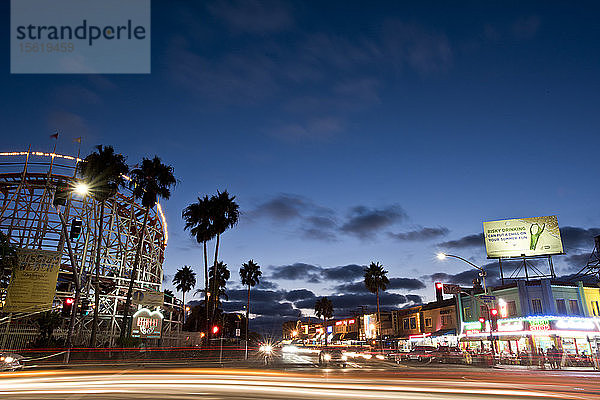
(539, 324)
(575, 324)
(338, 323)
(525, 236)
(351, 322)
(146, 324)
(510, 326)
(329, 329)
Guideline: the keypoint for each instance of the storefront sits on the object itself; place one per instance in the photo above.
(575, 336)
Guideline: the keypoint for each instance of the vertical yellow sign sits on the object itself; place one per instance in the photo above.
(33, 281)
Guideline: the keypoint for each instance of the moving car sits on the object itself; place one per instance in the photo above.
(10, 362)
(332, 357)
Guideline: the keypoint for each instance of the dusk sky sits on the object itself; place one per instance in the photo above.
(349, 132)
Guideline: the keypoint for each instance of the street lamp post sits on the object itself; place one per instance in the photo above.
(482, 273)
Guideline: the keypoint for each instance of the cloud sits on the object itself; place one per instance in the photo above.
(297, 271)
(266, 284)
(316, 128)
(575, 238)
(343, 273)
(475, 240)
(348, 303)
(253, 16)
(365, 222)
(420, 234)
(576, 262)
(256, 295)
(416, 299)
(299, 294)
(283, 207)
(395, 284)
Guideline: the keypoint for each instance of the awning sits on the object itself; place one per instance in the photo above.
(350, 336)
(336, 337)
(444, 332)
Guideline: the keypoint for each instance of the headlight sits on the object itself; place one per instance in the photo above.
(380, 357)
(327, 357)
(344, 358)
(266, 348)
(8, 359)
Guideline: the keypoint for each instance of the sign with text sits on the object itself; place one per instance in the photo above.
(146, 324)
(33, 281)
(80, 37)
(534, 236)
(148, 297)
(451, 288)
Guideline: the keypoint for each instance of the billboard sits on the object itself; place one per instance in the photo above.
(33, 281)
(536, 236)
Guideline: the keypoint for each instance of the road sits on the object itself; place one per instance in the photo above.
(317, 383)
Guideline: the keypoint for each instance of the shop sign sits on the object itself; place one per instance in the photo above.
(510, 326)
(539, 324)
(575, 324)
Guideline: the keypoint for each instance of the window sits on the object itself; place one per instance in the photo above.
(405, 324)
(595, 309)
(536, 305)
(446, 319)
(512, 308)
(428, 323)
(467, 313)
(413, 323)
(574, 306)
(484, 312)
(561, 307)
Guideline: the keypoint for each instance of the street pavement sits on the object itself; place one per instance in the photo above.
(372, 381)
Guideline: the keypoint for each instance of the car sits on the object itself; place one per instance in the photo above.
(421, 353)
(332, 357)
(10, 362)
(448, 354)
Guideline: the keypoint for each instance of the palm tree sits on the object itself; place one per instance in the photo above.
(250, 274)
(218, 281)
(8, 259)
(151, 180)
(198, 219)
(103, 171)
(225, 214)
(376, 280)
(185, 280)
(324, 309)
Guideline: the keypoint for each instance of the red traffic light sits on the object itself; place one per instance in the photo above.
(494, 312)
(215, 329)
(482, 320)
(439, 285)
(69, 301)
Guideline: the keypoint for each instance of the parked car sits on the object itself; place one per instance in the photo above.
(10, 362)
(448, 354)
(421, 353)
(332, 357)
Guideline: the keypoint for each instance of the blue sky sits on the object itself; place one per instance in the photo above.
(349, 133)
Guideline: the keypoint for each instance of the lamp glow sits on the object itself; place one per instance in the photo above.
(441, 256)
(81, 189)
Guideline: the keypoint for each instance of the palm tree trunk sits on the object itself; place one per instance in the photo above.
(325, 330)
(97, 283)
(125, 324)
(206, 291)
(214, 288)
(184, 310)
(378, 320)
(247, 321)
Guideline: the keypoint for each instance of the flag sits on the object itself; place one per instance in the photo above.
(55, 136)
(78, 140)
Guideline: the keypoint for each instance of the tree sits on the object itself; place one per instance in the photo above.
(324, 309)
(225, 214)
(185, 280)
(198, 219)
(217, 280)
(250, 274)
(103, 171)
(376, 280)
(151, 181)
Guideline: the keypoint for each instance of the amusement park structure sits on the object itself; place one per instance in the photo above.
(28, 181)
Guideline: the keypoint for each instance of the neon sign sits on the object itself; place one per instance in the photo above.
(539, 324)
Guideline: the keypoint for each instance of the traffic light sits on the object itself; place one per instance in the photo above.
(482, 321)
(494, 319)
(439, 291)
(215, 329)
(76, 225)
(85, 307)
(67, 306)
(61, 194)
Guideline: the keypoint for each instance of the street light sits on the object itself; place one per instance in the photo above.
(81, 189)
(482, 273)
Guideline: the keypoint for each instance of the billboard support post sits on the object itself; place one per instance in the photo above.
(501, 271)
